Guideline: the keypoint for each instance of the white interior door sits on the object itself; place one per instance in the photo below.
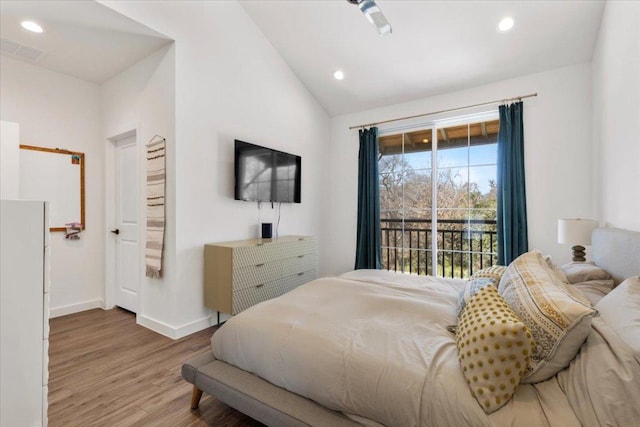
(127, 250)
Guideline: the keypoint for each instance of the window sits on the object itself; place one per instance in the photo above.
(438, 198)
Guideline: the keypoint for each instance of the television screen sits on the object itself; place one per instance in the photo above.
(266, 175)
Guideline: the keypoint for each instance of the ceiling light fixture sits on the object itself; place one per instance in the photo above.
(505, 24)
(32, 26)
(426, 141)
(338, 75)
(374, 15)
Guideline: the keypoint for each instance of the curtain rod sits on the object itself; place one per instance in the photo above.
(500, 101)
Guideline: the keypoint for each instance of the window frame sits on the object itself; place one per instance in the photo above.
(435, 125)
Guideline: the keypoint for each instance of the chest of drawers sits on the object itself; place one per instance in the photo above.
(242, 273)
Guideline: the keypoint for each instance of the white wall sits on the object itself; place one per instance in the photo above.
(229, 83)
(143, 98)
(557, 133)
(54, 110)
(616, 115)
(9, 160)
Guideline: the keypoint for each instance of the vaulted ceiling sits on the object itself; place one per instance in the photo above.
(436, 46)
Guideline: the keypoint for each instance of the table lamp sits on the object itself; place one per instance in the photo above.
(576, 232)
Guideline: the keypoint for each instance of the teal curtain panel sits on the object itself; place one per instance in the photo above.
(511, 197)
(368, 246)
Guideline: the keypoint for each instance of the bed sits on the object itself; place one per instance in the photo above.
(376, 348)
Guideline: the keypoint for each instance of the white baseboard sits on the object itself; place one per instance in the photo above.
(75, 308)
(175, 332)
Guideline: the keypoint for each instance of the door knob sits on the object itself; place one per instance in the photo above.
(116, 231)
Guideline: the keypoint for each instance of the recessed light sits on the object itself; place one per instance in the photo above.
(338, 75)
(426, 141)
(32, 26)
(506, 24)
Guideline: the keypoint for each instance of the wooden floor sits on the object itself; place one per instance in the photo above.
(105, 370)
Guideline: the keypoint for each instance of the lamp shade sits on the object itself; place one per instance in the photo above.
(576, 231)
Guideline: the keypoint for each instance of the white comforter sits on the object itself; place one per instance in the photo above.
(374, 344)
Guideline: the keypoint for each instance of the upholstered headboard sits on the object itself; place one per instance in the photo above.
(617, 251)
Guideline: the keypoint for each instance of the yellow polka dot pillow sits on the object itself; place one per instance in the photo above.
(494, 272)
(558, 321)
(493, 348)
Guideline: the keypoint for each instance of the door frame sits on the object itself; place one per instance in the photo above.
(111, 215)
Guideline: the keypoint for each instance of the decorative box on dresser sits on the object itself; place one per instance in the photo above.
(24, 313)
(243, 273)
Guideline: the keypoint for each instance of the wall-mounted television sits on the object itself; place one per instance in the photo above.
(266, 175)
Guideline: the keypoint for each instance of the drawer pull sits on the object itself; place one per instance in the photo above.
(300, 256)
(260, 265)
(259, 244)
(260, 285)
(300, 274)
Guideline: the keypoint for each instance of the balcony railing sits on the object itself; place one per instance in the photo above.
(463, 246)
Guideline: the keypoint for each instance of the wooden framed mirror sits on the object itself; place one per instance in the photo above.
(57, 176)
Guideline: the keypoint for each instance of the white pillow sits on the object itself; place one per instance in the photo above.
(594, 290)
(577, 272)
(620, 309)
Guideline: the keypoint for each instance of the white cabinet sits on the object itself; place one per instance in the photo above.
(24, 313)
(243, 273)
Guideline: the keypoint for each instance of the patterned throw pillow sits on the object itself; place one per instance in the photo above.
(559, 272)
(558, 322)
(493, 272)
(494, 347)
(471, 288)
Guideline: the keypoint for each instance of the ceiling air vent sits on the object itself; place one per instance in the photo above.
(8, 46)
(19, 50)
